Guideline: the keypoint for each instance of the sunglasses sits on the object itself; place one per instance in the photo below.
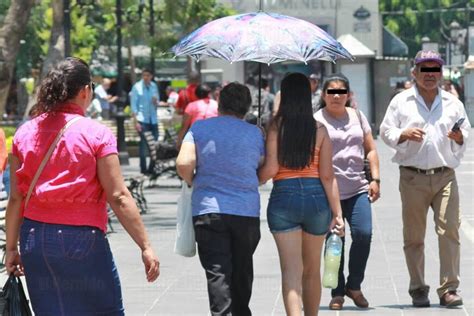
(92, 85)
(430, 69)
(336, 91)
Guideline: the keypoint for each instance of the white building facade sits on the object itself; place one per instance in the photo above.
(351, 21)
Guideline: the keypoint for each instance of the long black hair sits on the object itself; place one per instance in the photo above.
(296, 125)
(331, 78)
(63, 82)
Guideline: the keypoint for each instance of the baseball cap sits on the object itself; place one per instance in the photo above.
(313, 77)
(428, 55)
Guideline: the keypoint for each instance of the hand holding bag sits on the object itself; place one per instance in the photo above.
(13, 300)
(185, 244)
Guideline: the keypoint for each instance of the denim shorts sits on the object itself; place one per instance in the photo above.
(69, 270)
(299, 203)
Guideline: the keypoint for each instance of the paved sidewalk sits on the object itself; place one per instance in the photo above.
(181, 288)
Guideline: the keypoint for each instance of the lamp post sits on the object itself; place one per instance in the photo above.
(427, 44)
(120, 115)
(454, 31)
(152, 35)
(67, 27)
(470, 50)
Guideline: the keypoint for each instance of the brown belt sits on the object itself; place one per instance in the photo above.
(426, 171)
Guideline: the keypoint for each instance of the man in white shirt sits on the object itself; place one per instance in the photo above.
(105, 99)
(419, 126)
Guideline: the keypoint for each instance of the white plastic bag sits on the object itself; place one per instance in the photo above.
(185, 244)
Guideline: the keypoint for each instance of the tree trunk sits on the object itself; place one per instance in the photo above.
(56, 50)
(11, 33)
(131, 62)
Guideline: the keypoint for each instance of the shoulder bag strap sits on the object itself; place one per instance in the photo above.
(362, 128)
(360, 120)
(47, 156)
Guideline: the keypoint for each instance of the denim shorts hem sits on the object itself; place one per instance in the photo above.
(311, 233)
(287, 230)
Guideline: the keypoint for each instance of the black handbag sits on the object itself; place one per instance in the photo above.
(367, 172)
(13, 301)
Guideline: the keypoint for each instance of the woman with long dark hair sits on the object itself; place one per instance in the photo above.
(352, 140)
(304, 203)
(58, 210)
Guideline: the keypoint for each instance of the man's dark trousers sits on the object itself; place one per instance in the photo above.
(143, 146)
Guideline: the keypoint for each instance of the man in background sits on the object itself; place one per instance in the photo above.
(144, 99)
(315, 91)
(188, 95)
(106, 100)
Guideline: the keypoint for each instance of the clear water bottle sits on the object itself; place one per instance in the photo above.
(332, 260)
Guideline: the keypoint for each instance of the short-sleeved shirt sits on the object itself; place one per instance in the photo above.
(201, 109)
(347, 137)
(68, 190)
(228, 152)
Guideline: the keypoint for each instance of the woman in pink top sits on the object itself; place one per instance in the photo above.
(201, 109)
(64, 252)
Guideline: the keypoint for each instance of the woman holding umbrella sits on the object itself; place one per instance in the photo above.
(304, 203)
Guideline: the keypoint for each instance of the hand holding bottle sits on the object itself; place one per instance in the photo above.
(337, 226)
(332, 260)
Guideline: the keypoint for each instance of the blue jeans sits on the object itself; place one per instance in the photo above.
(299, 203)
(357, 211)
(69, 270)
(143, 147)
(6, 179)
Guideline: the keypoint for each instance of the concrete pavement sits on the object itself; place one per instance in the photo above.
(181, 288)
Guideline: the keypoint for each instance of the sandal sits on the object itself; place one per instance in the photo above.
(336, 303)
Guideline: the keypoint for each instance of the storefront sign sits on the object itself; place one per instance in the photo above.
(284, 5)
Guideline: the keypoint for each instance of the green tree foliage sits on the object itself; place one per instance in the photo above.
(84, 35)
(188, 15)
(173, 19)
(94, 24)
(4, 5)
(416, 22)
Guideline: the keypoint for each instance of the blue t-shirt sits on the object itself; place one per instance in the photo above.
(228, 151)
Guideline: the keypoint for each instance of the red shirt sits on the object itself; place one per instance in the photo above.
(68, 190)
(185, 97)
